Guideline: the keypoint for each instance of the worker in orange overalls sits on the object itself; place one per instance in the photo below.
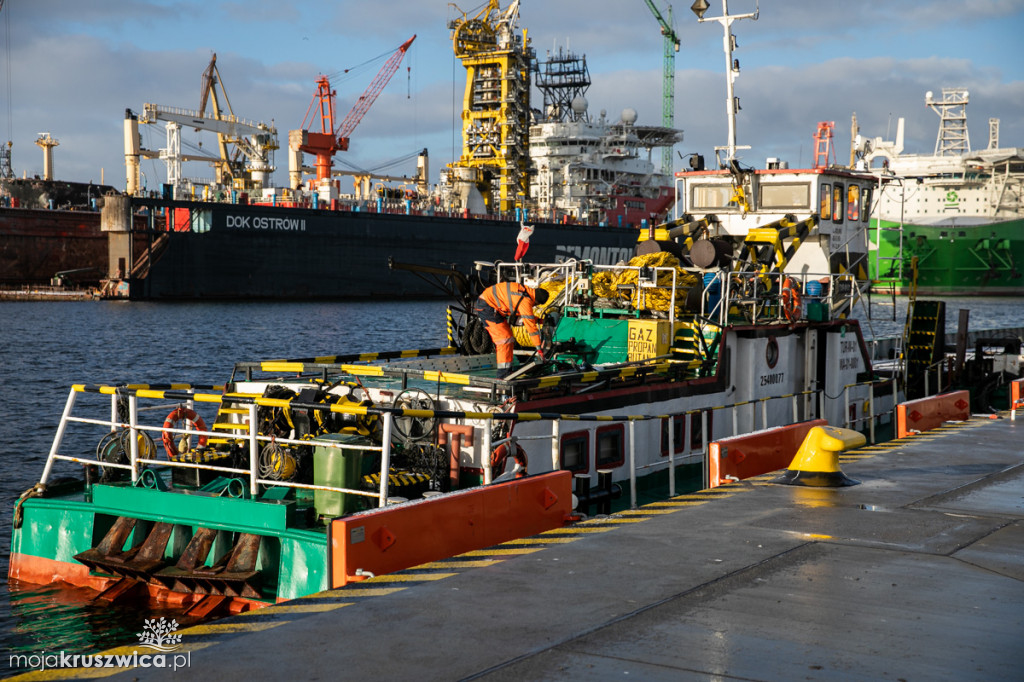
(498, 307)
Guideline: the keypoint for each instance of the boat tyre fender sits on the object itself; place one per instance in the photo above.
(181, 414)
(790, 299)
(475, 339)
(500, 455)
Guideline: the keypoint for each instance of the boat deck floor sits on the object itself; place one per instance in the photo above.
(915, 574)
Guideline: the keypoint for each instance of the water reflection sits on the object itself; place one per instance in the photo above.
(62, 618)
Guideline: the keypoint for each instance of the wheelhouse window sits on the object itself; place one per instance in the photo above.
(611, 446)
(785, 195)
(853, 203)
(574, 451)
(710, 197)
(837, 203)
(678, 434)
(825, 210)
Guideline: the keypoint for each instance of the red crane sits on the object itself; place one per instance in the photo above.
(330, 139)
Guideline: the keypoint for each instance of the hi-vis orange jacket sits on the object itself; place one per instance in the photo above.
(511, 300)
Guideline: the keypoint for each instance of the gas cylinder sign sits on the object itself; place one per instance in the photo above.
(647, 339)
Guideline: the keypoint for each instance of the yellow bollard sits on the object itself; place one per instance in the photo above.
(816, 463)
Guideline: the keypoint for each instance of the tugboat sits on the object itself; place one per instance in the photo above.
(304, 474)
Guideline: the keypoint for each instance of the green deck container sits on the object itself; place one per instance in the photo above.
(339, 468)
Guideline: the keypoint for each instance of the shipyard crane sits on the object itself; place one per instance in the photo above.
(5, 150)
(330, 139)
(668, 84)
(256, 141)
(227, 167)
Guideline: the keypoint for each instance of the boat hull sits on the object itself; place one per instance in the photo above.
(962, 260)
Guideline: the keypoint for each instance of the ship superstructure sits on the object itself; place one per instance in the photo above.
(593, 169)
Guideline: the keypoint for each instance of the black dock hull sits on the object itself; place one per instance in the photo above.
(230, 251)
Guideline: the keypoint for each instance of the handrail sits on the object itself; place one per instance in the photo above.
(136, 463)
(253, 438)
(872, 416)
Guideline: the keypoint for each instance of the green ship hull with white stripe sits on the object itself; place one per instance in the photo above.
(976, 260)
(958, 214)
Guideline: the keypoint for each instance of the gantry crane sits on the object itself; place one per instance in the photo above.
(668, 82)
(330, 139)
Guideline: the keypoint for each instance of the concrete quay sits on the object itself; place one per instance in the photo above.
(917, 573)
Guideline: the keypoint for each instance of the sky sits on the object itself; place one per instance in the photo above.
(71, 68)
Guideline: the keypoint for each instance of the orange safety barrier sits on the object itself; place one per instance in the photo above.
(1016, 389)
(753, 454)
(405, 535)
(925, 414)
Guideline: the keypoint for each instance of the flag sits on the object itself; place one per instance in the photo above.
(523, 241)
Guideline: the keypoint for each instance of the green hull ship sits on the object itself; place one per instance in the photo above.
(952, 221)
(967, 260)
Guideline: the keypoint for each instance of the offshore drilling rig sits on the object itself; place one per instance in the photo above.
(491, 174)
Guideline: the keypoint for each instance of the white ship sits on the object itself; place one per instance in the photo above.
(593, 169)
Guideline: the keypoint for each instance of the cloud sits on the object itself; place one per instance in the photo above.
(75, 67)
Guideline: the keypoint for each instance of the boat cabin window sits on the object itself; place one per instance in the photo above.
(837, 203)
(678, 434)
(574, 451)
(611, 446)
(786, 195)
(825, 210)
(711, 197)
(865, 203)
(853, 203)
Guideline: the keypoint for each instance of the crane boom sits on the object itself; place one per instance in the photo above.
(330, 139)
(366, 100)
(668, 85)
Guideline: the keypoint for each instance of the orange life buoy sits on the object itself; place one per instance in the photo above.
(181, 414)
(790, 299)
(500, 457)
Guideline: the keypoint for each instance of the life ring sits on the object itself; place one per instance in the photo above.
(790, 299)
(499, 457)
(181, 414)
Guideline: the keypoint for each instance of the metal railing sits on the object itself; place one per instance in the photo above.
(814, 406)
(253, 438)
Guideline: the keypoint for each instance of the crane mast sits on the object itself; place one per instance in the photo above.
(668, 79)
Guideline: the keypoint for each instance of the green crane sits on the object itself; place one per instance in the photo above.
(668, 83)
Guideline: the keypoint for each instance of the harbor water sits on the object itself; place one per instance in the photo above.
(48, 346)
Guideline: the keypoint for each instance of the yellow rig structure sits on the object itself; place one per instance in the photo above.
(495, 109)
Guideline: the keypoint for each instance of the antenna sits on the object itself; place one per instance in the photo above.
(732, 103)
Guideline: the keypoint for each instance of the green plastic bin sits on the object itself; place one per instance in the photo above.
(339, 468)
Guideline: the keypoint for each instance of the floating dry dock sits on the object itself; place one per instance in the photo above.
(917, 573)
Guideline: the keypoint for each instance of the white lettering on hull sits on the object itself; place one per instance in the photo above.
(601, 255)
(240, 222)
